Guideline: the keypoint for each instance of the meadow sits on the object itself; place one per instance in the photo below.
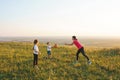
(16, 63)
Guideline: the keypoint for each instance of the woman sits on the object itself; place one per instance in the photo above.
(80, 49)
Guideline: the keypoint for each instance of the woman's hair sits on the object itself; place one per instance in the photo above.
(35, 41)
(74, 37)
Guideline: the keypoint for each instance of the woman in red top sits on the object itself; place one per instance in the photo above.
(80, 49)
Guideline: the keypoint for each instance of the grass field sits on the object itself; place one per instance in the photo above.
(16, 63)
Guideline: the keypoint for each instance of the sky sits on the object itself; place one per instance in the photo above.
(91, 18)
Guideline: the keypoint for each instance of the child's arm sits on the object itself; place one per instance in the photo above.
(38, 52)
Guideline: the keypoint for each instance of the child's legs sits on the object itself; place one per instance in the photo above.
(77, 54)
(49, 53)
(36, 59)
(35, 62)
(83, 53)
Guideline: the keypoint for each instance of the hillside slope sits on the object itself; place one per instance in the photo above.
(16, 60)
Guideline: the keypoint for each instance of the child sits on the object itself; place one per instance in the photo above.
(80, 49)
(49, 50)
(35, 53)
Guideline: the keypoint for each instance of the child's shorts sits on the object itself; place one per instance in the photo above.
(49, 52)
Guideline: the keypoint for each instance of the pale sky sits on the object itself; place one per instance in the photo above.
(60, 18)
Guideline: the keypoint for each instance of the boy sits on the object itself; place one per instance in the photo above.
(49, 50)
(35, 53)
